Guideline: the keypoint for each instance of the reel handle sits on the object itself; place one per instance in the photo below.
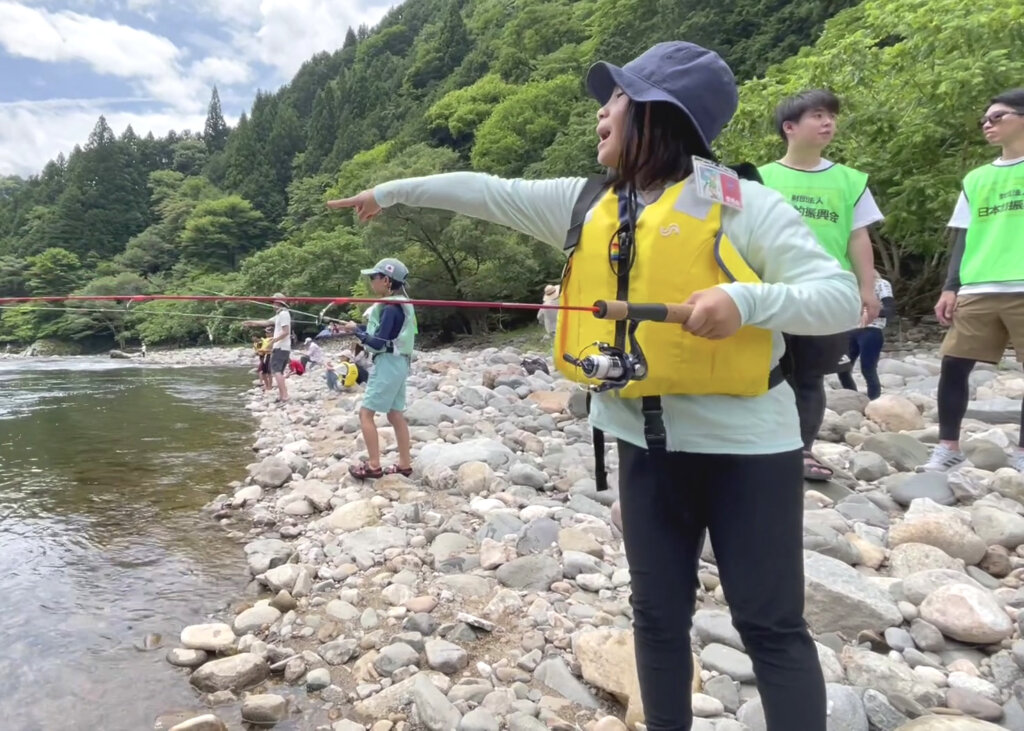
(620, 310)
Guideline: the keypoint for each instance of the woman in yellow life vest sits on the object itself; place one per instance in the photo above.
(709, 441)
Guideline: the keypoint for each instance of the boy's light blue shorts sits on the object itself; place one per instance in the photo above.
(385, 390)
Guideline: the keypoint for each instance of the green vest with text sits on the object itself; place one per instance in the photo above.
(994, 248)
(825, 199)
(403, 344)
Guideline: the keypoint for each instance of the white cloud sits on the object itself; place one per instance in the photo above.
(222, 71)
(293, 30)
(282, 34)
(108, 47)
(239, 45)
(33, 132)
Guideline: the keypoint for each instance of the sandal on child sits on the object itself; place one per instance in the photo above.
(815, 470)
(396, 470)
(365, 472)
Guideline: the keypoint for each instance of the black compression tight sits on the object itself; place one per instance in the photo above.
(954, 394)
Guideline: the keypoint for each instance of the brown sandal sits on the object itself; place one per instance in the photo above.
(365, 472)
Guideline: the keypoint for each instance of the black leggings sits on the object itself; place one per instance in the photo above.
(955, 393)
(809, 390)
(752, 507)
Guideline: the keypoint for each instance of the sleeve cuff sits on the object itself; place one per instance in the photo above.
(742, 297)
(386, 194)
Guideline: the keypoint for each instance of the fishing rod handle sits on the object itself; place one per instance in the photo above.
(620, 310)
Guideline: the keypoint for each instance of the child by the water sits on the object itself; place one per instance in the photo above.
(262, 348)
(389, 337)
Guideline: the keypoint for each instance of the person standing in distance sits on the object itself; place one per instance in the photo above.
(280, 342)
(982, 300)
(866, 342)
(713, 446)
(837, 204)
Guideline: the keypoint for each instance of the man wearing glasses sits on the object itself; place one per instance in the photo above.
(983, 298)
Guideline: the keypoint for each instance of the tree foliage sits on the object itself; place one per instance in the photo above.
(488, 85)
(914, 76)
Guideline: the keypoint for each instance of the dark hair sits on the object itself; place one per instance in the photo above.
(393, 284)
(657, 145)
(795, 107)
(1012, 98)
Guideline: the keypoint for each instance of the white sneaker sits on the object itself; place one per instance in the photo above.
(943, 459)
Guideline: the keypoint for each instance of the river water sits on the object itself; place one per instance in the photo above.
(104, 467)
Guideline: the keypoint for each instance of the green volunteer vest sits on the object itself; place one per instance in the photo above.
(825, 199)
(406, 339)
(994, 249)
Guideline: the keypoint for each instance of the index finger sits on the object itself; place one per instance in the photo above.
(342, 203)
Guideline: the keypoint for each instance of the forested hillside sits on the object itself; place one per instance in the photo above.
(489, 85)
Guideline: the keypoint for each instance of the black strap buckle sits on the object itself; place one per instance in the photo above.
(654, 423)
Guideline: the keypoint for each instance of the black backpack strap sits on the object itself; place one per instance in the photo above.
(600, 471)
(593, 189)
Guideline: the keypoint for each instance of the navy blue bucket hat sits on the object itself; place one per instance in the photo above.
(685, 75)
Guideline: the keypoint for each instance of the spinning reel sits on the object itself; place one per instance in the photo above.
(617, 367)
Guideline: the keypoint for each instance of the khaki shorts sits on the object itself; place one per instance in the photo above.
(983, 325)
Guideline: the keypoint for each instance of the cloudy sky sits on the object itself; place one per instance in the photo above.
(148, 63)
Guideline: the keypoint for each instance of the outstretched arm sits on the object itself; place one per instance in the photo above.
(538, 208)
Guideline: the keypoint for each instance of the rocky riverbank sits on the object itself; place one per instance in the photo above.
(490, 590)
(217, 355)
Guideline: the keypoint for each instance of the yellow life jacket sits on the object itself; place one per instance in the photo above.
(679, 248)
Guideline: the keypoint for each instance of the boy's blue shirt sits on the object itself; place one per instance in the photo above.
(391, 321)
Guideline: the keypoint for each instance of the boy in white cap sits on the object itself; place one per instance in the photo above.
(389, 337)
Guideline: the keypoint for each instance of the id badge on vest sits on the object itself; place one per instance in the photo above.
(717, 183)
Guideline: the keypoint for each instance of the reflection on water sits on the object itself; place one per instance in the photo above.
(103, 470)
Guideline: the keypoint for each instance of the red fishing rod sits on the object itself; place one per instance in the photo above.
(142, 298)
(602, 309)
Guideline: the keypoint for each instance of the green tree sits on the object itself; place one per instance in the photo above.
(105, 200)
(522, 126)
(456, 116)
(52, 272)
(323, 130)
(190, 156)
(90, 318)
(12, 277)
(453, 39)
(220, 232)
(215, 131)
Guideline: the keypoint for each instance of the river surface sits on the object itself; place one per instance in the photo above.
(104, 467)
